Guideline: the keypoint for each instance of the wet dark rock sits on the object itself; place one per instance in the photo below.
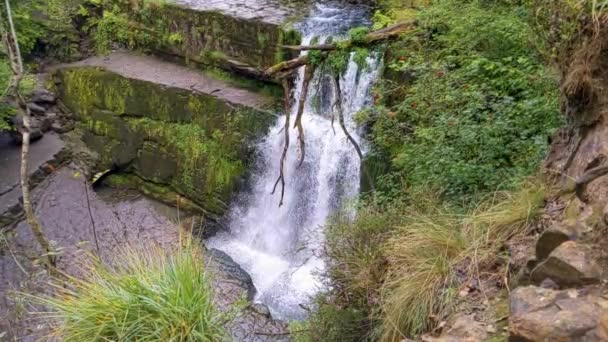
(547, 315)
(261, 309)
(569, 265)
(43, 97)
(552, 238)
(35, 109)
(234, 270)
(36, 127)
(45, 156)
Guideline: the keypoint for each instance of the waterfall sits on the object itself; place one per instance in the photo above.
(278, 246)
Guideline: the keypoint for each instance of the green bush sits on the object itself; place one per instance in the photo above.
(149, 295)
(479, 111)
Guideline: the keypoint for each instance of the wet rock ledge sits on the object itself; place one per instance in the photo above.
(172, 129)
(231, 34)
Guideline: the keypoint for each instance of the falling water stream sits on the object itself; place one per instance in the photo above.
(278, 246)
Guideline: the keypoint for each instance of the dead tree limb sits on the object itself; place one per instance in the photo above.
(584, 180)
(291, 64)
(339, 105)
(341, 117)
(9, 37)
(372, 37)
(281, 177)
(309, 72)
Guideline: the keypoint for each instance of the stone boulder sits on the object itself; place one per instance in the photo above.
(42, 97)
(539, 314)
(36, 128)
(463, 328)
(234, 270)
(569, 265)
(552, 238)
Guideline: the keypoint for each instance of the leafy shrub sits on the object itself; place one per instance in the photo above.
(149, 295)
(479, 111)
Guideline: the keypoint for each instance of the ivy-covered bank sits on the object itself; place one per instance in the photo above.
(195, 144)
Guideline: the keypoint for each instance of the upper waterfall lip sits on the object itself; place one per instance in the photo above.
(333, 18)
(268, 11)
(315, 17)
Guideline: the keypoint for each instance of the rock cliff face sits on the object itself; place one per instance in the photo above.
(566, 300)
(172, 127)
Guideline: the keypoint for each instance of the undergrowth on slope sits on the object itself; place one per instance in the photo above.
(394, 271)
(459, 123)
(476, 110)
(150, 294)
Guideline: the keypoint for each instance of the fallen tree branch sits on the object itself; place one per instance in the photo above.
(374, 36)
(588, 177)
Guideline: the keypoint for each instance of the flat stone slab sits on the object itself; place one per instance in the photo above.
(42, 153)
(269, 11)
(147, 68)
(78, 220)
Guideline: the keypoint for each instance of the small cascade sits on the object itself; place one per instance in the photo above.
(278, 246)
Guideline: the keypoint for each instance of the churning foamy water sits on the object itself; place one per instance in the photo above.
(276, 245)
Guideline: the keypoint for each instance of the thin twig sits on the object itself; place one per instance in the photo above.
(86, 190)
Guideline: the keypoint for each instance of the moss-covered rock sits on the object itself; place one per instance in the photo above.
(211, 37)
(193, 143)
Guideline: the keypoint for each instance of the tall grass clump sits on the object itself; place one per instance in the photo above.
(149, 294)
(436, 251)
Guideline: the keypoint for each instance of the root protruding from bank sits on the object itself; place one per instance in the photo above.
(308, 74)
(281, 178)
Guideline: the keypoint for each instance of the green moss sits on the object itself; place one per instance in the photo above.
(159, 192)
(195, 143)
(185, 32)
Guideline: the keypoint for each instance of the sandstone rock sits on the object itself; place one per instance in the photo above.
(551, 238)
(464, 328)
(546, 315)
(603, 327)
(569, 265)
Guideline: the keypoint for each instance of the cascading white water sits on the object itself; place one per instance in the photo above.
(277, 245)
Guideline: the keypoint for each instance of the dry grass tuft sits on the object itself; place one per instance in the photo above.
(436, 251)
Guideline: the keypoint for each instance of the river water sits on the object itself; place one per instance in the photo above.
(278, 246)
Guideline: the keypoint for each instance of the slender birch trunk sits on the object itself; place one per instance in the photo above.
(16, 64)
